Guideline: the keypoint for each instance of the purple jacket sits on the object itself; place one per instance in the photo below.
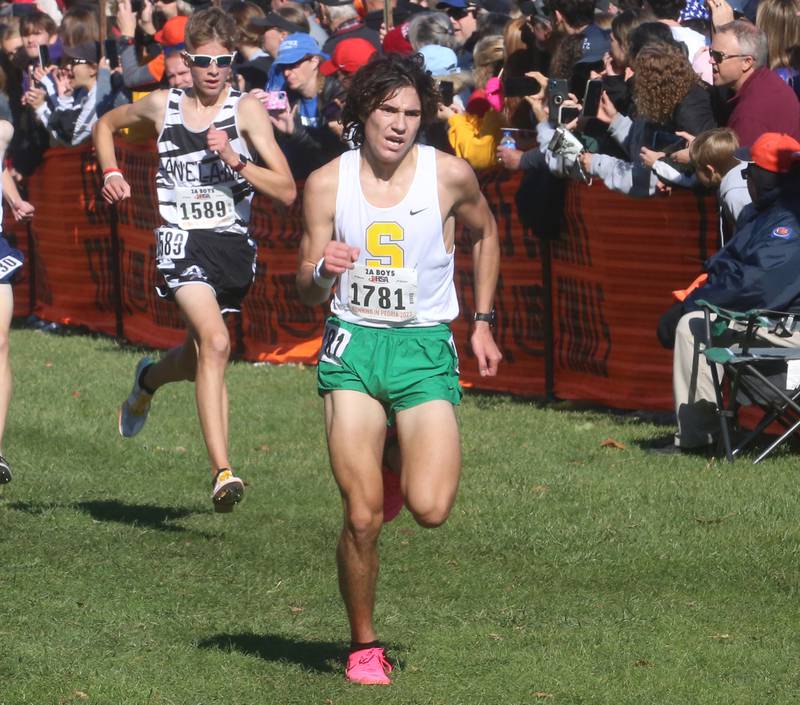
(765, 103)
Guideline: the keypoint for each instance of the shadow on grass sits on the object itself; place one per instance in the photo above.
(321, 656)
(146, 515)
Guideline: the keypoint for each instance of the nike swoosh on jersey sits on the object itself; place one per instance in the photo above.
(413, 212)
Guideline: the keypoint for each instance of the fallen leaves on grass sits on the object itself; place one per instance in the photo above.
(48, 364)
(722, 637)
(296, 610)
(76, 394)
(496, 637)
(643, 663)
(612, 443)
(264, 448)
(540, 489)
(542, 695)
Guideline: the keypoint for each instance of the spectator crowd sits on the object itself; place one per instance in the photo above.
(634, 83)
(645, 96)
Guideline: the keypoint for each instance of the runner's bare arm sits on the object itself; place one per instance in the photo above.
(275, 179)
(149, 109)
(469, 206)
(317, 246)
(21, 209)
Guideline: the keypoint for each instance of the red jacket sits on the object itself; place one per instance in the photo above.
(765, 103)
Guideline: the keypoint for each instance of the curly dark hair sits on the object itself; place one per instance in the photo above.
(378, 81)
(664, 77)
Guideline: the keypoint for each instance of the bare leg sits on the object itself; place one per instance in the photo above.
(176, 365)
(356, 426)
(199, 306)
(6, 311)
(431, 460)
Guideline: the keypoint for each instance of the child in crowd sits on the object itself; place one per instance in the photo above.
(716, 167)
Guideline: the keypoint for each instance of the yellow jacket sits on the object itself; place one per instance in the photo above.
(475, 138)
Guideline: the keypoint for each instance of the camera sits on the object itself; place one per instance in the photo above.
(565, 144)
(277, 100)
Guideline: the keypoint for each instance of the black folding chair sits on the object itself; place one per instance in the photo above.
(757, 375)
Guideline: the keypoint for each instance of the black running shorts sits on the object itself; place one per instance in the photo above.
(11, 260)
(225, 262)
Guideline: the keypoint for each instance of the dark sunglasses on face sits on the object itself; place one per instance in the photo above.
(203, 61)
(456, 13)
(718, 57)
(75, 62)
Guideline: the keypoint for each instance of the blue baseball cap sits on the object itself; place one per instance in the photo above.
(439, 60)
(458, 4)
(298, 46)
(596, 43)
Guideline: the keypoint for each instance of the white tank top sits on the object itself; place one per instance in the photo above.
(404, 275)
(196, 189)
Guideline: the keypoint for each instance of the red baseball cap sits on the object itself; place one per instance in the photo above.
(348, 56)
(773, 152)
(173, 32)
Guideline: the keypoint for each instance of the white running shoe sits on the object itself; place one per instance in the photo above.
(228, 490)
(134, 410)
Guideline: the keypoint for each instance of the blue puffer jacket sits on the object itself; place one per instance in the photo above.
(760, 266)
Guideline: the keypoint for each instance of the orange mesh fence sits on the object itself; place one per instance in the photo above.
(614, 270)
(612, 274)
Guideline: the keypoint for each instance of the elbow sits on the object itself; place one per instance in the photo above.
(288, 193)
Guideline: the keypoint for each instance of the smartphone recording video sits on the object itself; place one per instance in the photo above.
(591, 98)
(44, 56)
(520, 86)
(277, 101)
(446, 91)
(567, 114)
(110, 51)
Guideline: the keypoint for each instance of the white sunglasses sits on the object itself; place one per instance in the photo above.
(203, 61)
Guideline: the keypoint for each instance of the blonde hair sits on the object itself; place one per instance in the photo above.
(488, 57)
(780, 21)
(244, 13)
(713, 148)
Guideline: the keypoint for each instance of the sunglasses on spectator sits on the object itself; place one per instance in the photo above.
(75, 62)
(203, 61)
(719, 56)
(457, 13)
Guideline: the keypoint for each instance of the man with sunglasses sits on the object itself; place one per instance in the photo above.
(380, 225)
(208, 138)
(762, 101)
(463, 15)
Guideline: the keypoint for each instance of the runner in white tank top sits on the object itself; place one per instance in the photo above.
(205, 183)
(379, 226)
(407, 236)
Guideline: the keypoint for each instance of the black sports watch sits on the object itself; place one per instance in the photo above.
(490, 318)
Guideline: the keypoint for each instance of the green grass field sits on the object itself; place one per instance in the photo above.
(569, 572)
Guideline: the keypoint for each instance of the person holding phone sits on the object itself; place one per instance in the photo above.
(301, 128)
(208, 137)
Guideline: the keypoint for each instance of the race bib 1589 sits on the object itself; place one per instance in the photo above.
(205, 207)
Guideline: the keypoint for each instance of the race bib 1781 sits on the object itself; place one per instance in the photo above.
(386, 294)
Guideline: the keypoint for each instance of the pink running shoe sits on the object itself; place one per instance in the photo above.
(392, 495)
(368, 667)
